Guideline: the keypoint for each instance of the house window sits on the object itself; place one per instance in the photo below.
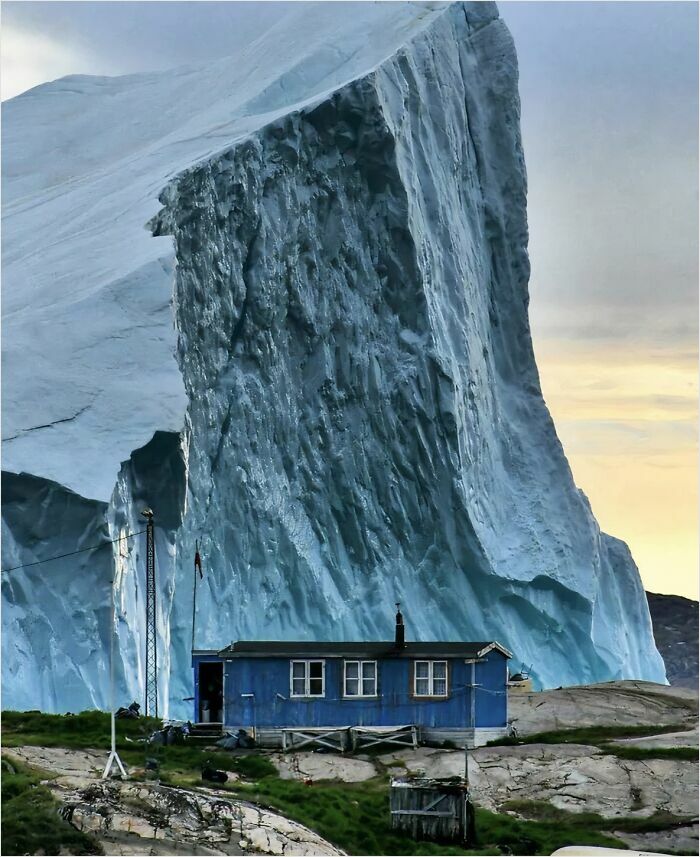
(308, 678)
(360, 678)
(430, 678)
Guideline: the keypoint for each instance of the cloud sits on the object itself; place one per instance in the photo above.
(609, 95)
(30, 57)
(111, 38)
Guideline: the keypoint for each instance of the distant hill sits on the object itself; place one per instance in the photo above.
(675, 621)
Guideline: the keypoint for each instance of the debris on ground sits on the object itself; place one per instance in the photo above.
(129, 713)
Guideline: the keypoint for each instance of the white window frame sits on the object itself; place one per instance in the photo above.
(360, 679)
(431, 679)
(307, 678)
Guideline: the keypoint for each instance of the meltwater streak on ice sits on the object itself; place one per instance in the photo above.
(362, 415)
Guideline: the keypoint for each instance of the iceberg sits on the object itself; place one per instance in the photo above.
(282, 299)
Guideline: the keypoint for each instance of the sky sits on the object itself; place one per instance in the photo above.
(609, 94)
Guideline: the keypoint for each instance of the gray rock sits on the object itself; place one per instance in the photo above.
(323, 766)
(682, 839)
(632, 703)
(149, 818)
(669, 739)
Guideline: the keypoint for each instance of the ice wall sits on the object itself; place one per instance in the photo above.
(364, 420)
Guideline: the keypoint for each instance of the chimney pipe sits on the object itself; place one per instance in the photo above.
(399, 639)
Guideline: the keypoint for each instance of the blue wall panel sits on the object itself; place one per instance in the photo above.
(271, 706)
(491, 701)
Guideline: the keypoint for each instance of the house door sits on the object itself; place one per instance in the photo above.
(211, 692)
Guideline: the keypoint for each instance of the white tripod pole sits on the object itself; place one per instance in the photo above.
(113, 756)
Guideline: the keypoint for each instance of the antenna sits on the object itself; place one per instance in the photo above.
(151, 639)
(197, 567)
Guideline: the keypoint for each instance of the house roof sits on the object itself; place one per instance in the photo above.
(306, 649)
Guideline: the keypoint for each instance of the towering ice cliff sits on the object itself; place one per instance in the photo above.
(316, 360)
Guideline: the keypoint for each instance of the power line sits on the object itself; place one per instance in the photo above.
(72, 553)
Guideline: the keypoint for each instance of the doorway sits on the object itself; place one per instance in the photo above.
(211, 692)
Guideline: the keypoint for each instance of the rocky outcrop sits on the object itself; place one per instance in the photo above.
(323, 766)
(582, 779)
(675, 623)
(688, 738)
(150, 818)
(682, 839)
(615, 703)
(573, 777)
(570, 777)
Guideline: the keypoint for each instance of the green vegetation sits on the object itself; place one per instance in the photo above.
(31, 823)
(594, 735)
(688, 754)
(355, 817)
(92, 729)
(602, 736)
(590, 821)
(540, 810)
(87, 729)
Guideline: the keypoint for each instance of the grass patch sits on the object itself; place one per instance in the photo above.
(181, 765)
(540, 810)
(74, 731)
(355, 817)
(91, 729)
(188, 760)
(687, 754)
(602, 736)
(594, 735)
(30, 820)
(253, 766)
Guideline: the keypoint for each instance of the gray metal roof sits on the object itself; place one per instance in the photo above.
(306, 649)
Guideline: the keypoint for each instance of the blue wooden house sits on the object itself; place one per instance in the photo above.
(284, 691)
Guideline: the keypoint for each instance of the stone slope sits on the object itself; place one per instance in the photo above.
(618, 703)
(136, 817)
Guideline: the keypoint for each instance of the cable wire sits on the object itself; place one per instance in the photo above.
(73, 553)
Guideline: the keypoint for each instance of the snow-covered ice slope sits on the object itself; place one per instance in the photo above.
(282, 299)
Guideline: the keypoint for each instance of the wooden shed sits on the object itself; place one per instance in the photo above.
(436, 810)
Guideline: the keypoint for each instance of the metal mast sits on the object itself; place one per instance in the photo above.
(151, 638)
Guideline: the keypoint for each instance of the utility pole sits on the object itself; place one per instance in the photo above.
(113, 755)
(151, 626)
(472, 721)
(469, 824)
(197, 568)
